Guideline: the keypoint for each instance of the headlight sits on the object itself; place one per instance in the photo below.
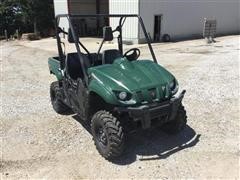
(123, 96)
(174, 86)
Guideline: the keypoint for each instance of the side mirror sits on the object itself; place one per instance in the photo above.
(70, 36)
(107, 33)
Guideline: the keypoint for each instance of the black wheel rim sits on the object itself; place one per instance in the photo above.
(101, 137)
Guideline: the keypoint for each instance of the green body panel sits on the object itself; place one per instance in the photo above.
(125, 76)
(132, 77)
(54, 67)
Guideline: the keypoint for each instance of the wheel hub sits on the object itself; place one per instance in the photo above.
(102, 138)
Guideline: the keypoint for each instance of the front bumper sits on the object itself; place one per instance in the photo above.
(146, 113)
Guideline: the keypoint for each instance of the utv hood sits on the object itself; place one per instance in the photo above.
(124, 75)
(144, 80)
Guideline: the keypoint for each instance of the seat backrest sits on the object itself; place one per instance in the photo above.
(110, 55)
(74, 67)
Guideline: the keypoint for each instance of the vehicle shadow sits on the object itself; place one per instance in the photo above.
(153, 144)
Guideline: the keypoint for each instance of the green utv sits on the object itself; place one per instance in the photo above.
(113, 91)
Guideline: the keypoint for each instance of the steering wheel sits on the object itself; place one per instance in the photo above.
(132, 54)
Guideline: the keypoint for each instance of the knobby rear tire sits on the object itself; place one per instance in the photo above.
(58, 105)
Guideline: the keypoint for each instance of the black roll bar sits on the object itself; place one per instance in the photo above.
(72, 16)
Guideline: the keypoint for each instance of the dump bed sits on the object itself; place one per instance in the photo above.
(54, 67)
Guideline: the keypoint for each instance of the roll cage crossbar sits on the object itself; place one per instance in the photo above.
(122, 17)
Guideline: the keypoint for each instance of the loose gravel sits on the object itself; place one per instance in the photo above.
(38, 143)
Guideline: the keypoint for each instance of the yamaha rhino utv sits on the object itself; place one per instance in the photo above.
(114, 91)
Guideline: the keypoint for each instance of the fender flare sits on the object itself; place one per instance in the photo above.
(105, 93)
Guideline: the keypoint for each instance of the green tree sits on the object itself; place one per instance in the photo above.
(40, 13)
(26, 15)
(10, 17)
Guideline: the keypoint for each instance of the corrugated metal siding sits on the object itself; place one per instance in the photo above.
(61, 7)
(183, 19)
(104, 7)
(87, 6)
(82, 6)
(130, 31)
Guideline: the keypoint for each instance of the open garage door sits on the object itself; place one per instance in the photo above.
(90, 26)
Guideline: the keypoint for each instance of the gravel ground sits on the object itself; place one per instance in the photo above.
(38, 143)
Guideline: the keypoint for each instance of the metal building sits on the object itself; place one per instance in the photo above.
(177, 18)
(89, 26)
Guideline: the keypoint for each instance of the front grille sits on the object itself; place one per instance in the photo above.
(140, 96)
(153, 93)
(156, 111)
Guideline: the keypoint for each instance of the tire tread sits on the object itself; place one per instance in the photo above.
(115, 134)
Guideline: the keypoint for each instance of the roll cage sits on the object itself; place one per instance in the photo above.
(77, 43)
